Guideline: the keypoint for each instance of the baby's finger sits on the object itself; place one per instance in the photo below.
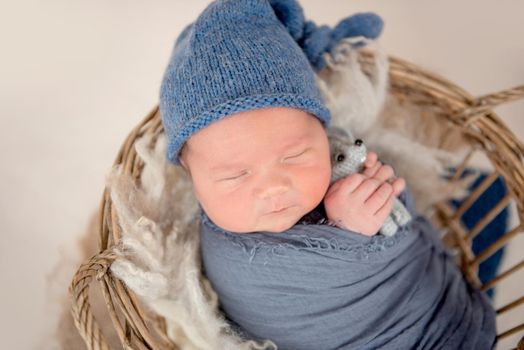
(366, 189)
(399, 184)
(352, 182)
(377, 199)
(384, 173)
(371, 171)
(371, 159)
(385, 210)
(346, 184)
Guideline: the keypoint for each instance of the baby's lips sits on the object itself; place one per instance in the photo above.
(278, 206)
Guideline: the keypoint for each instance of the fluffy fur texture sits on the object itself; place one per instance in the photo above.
(407, 137)
(158, 253)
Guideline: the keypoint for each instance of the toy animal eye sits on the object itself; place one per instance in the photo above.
(358, 142)
(340, 158)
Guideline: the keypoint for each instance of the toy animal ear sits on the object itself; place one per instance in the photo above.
(335, 131)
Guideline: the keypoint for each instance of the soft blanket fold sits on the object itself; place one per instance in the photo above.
(322, 287)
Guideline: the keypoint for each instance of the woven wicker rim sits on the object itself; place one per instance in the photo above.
(474, 116)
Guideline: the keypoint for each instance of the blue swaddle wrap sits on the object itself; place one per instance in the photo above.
(322, 287)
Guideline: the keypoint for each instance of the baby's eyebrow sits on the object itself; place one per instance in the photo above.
(296, 142)
(228, 166)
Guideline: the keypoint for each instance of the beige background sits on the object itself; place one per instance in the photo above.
(76, 76)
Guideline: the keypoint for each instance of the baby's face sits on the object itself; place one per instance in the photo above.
(259, 170)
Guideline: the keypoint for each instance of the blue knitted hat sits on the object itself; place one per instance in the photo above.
(245, 54)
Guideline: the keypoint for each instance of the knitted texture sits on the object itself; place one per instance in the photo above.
(246, 54)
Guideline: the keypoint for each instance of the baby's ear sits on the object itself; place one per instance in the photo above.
(182, 156)
(182, 162)
(184, 166)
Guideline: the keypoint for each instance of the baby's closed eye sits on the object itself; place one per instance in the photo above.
(298, 156)
(293, 158)
(234, 177)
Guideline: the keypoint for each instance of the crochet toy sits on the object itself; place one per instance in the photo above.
(347, 157)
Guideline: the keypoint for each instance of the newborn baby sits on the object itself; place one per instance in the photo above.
(311, 286)
(292, 258)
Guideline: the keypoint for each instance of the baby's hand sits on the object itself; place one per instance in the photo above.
(374, 168)
(359, 203)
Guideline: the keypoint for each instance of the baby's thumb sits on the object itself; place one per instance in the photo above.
(346, 184)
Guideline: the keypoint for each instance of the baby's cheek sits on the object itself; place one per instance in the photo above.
(315, 183)
(229, 208)
(232, 212)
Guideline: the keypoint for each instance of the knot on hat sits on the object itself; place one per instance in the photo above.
(316, 40)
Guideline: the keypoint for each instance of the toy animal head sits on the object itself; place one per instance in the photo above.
(347, 154)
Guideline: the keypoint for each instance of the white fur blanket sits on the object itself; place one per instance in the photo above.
(158, 254)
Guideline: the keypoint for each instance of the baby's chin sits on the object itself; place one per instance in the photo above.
(276, 227)
(272, 222)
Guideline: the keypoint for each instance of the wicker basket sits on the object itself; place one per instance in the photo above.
(481, 127)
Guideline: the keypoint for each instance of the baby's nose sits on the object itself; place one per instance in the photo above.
(273, 191)
(274, 185)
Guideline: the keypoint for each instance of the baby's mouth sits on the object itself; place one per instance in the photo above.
(281, 209)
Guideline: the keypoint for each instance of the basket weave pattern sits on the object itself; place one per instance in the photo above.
(474, 117)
